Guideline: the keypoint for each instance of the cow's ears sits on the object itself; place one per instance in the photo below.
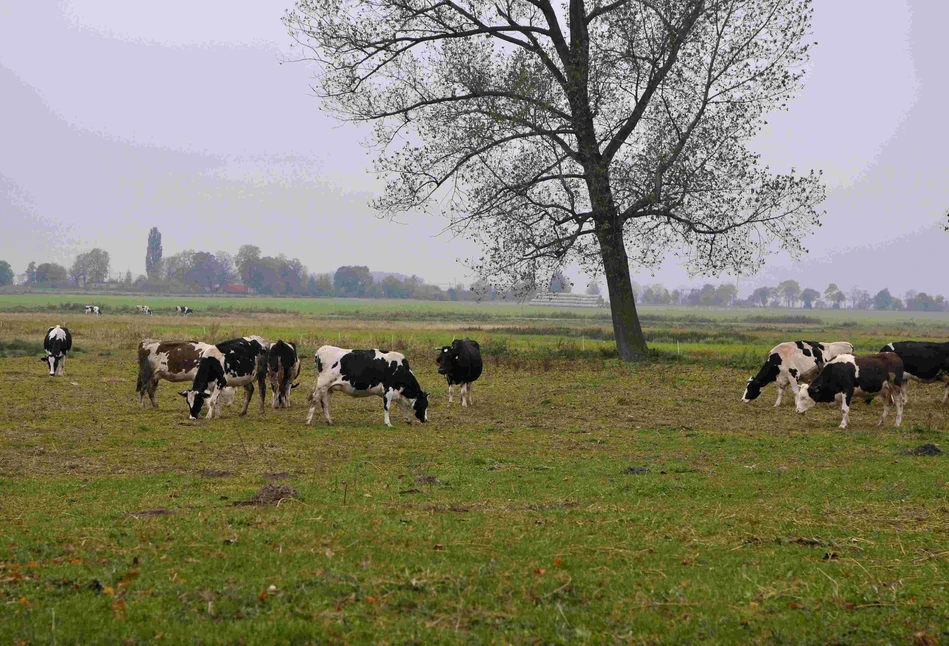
(183, 393)
(457, 357)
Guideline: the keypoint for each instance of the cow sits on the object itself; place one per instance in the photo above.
(238, 362)
(143, 309)
(864, 376)
(57, 343)
(923, 361)
(361, 373)
(283, 366)
(461, 364)
(792, 362)
(183, 310)
(93, 309)
(172, 361)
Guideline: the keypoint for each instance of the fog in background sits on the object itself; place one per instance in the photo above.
(119, 116)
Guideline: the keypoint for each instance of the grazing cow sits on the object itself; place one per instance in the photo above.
(461, 364)
(143, 309)
(791, 362)
(923, 361)
(238, 362)
(93, 309)
(865, 376)
(183, 310)
(57, 343)
(283, 367)
(169, 360)
(360, 373)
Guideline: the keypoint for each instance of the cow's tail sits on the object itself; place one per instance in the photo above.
(145, 372)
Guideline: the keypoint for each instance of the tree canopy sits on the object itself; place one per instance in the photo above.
(599, 132)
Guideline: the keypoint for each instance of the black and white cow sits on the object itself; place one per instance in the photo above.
(793, 362)
(361, 373)
(923, 361)
(183, 310)
(93, 309)
(864, 376)
(143, 309)
(283, 367)
(57, 343)
(238, 362)
(461, 364)
(173, 361)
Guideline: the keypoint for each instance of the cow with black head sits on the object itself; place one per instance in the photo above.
(238, 362)
(461, 364)
(57, 343)
(361, 373)
(847, 376)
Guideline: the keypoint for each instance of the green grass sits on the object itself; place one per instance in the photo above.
(517, 520)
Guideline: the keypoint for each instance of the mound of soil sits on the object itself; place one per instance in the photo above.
(636, 471)
(428, 480)
(270, 494)
(925, 449)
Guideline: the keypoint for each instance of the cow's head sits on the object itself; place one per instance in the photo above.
(420, 406)
(806, 397)
(444, 359)
(195, 401)
(53, 362)
(752, 390)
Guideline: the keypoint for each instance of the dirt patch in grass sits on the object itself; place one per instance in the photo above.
(152, 512)
(428, 480)
(636, 471)
(925, 449)
(215, 473)
(270, 494)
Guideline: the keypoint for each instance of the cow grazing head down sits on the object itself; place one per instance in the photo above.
(57, 343)
(768, 373)
(195, 401)
(420, 406)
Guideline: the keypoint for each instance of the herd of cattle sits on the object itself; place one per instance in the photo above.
(816, 372)
(141, 309)
(215, 370)
(836, 374)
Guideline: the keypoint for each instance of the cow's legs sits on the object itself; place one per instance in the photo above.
(152, 389)
(945, 395)
(887, 400)
(468, 392)
(780, 395)
(900, 401)
(62, 367)
(321, 396)
(464, 395)
(845, 407)
(386, 401)
(262, 386)
(248, 395)
(451, 392)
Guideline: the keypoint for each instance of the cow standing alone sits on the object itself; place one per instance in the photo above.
(791, 362)
(93, 309)
(239, 362)
(183, 310)
(143, 309)
(57, 343)
(461, 364)
(283, 366)
(847, 375)
(361, 373)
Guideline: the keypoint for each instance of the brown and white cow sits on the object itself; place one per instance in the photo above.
(143, 309)
(169, 360)
(283, 368)
(791, 362)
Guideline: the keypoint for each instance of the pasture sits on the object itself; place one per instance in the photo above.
(579, 500)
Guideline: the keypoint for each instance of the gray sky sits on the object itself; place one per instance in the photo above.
(118, 118)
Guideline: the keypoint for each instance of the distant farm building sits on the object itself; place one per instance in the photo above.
(567, 300)
(236, 289)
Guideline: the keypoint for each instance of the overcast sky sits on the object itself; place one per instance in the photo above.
(119, 116)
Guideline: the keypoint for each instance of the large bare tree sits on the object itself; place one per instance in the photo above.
(602, 132)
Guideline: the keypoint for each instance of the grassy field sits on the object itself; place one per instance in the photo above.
(580, 500)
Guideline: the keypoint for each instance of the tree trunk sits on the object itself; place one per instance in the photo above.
(630, 341)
